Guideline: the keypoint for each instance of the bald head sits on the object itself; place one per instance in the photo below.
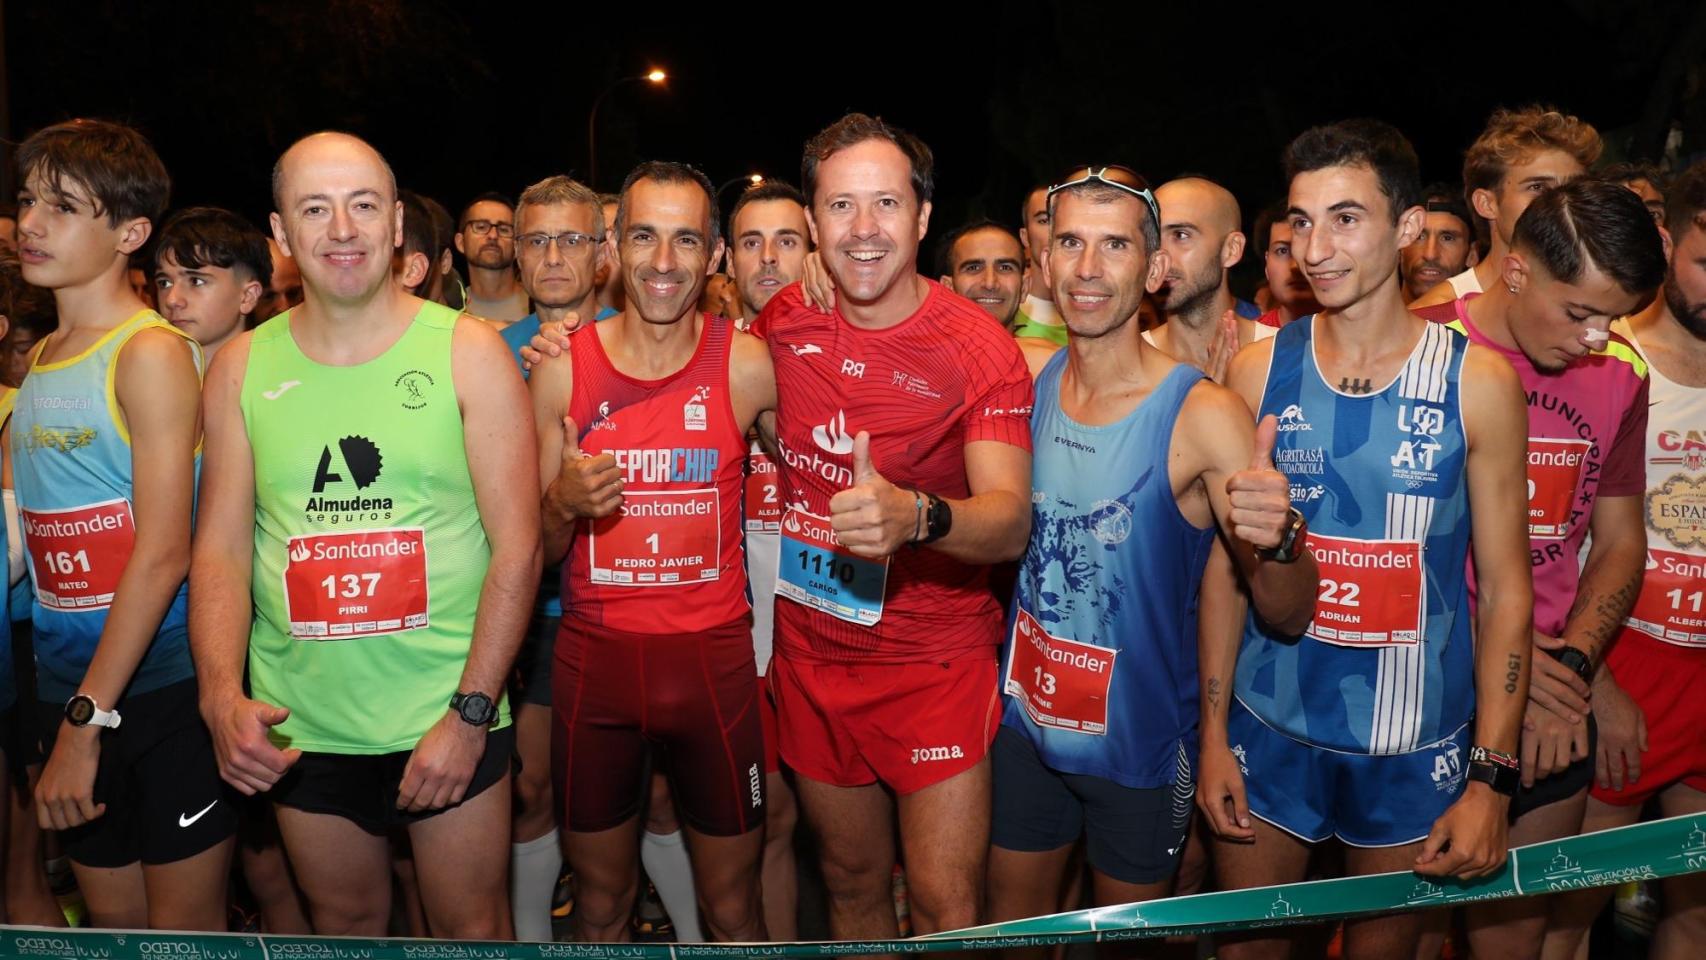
(332, 147)
(1199, 231)
(1202, 203)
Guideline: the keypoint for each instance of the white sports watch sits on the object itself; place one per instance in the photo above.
(81, 711)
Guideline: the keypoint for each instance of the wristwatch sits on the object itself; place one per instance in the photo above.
(1291, 541)
(1497, 770)
(475, 708)
(81, 711)
(1575, 660)
(938, 519)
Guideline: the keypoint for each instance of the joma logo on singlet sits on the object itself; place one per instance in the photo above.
(932, 754)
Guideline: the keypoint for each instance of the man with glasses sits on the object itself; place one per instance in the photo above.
(486, 237)
(560, 244)
(1098, 736)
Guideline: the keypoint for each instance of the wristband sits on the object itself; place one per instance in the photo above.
(917, 524)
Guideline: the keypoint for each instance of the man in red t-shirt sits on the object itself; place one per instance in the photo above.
(904, 441)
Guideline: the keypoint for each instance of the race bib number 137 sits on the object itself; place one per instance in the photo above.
(361, 583)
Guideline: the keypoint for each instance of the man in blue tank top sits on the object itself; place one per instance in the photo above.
(1401, 442)
(1140, 461)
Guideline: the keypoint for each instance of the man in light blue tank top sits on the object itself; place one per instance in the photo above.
(1140, 461)
(1400, 441)
(103, 444)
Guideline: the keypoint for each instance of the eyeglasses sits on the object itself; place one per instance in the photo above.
(567, 242)
(1116, 176)
(480, 228)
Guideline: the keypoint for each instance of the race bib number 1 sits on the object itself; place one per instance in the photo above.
(1371, 592)
(659, 538)
(1672, 603)
(361, 583)
(78, 554)
(816, 570)
(1062, 683)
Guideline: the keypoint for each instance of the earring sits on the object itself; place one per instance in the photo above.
(1512, 289)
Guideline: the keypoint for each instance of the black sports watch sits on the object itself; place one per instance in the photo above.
(475, 708)
(1291, 541)
(938, 519)
(1575, 660)
(1497, 770)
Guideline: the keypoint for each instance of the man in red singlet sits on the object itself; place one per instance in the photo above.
(643, 428)
(904, 438)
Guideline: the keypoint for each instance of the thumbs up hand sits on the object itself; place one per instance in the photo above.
(585, 486)
(873, 517)
(1260, 494)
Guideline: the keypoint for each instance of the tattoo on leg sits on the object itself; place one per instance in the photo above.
(1349, 385)
(1513, 671)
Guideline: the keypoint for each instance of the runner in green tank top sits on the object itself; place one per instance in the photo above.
(370, 497)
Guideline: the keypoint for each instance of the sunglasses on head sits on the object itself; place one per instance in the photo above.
(1116, 176)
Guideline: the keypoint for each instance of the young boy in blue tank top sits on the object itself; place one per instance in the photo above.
(104, 450)
(1383, 725)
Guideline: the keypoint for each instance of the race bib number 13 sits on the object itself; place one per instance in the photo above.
(361, 583)
(1062, 683)
(78, 554)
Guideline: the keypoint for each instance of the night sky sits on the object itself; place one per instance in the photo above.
(466, 97)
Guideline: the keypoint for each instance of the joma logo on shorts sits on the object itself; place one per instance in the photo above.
(928, 754)
(753, 785)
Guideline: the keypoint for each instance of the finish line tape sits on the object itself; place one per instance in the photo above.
(1644, 851)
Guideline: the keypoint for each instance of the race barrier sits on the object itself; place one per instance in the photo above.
(1645, 851)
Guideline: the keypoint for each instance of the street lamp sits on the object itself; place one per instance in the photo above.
(751, 180)
(654, 76)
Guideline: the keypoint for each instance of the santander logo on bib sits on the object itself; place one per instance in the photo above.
(833, 437)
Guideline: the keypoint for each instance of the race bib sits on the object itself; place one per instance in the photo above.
(816, 570)
(763, 497)
(1062, 683)
(658, 538)
(356, 584)
(77, 554)
(1554, 466)
(1370, 592)
(1672, 604)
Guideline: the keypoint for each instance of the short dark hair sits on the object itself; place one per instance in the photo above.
(766, 191)
(945, 246)
(114, 163)
(1628, 171)
(1595, 220)
(1361, 143)
(856, 128)
(1685, 201)
(1446, 198)
(669, 171)
(1263, 229)
(490, 196)
(203, 236)
(427, 229)
(26, 307)
(1024, 214)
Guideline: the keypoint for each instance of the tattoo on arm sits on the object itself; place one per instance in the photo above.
(1608, 614)
(1513, 671)
(1214, 693)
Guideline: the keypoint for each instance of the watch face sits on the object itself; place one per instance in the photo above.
(79, 710)
(476, 708)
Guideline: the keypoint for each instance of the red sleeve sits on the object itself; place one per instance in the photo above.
(1002, 392)
(1625, 466)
